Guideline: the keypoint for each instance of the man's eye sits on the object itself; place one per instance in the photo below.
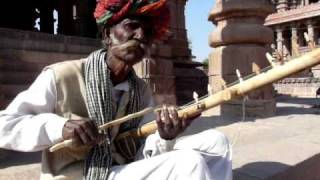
(132, 26)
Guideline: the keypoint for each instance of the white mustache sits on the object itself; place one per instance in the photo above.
(128, 44)
(131, 44)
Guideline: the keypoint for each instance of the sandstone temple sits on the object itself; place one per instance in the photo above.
(273, 145)
(290, 22)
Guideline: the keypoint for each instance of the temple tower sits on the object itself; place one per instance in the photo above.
(239, 40)
(171, 74)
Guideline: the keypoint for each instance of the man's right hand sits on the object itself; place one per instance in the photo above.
(84, 132)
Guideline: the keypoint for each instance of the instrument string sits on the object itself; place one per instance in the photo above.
(191, 103)
(243, 119)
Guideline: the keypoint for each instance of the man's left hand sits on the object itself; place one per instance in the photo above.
(169, 124)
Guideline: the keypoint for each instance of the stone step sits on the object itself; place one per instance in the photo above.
(20, 65)
(17, 77)
(20, 39)
(9, 91)
(38, 56)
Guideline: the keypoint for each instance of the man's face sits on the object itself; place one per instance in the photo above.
(130, 39)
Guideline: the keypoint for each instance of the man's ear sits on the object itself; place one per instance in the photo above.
(106, 33)
(106, 36)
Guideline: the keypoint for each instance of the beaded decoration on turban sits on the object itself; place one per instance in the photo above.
(110, 12)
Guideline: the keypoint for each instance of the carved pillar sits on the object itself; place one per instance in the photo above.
(239, 40)
(306, 2)
(171, 74)
(294, 39)
(311, 33)
(294, 4)
(85, 24)
(301, 39)
(66, 21)
(46, 17)
(310, 27)
(188, 77)
(158, 71)
(282, 5)
(178, 40)
(280, 39)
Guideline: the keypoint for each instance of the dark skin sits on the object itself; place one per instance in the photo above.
(127, 44)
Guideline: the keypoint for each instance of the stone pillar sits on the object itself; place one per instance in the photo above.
(239, 40)
(188, 77)
(282, 5)
(306, 2)
(294, 4)
(178, 39)
(280, 39)
(66, 21)
(301, 39)
(46, 23)
(85, 24)
(310, 27)
(158, 71)
(46, 19)
(311, 33)
(171, 74)
(294, 39)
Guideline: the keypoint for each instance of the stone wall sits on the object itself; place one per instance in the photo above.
(36, 41)
(23, 54)
(298, 87)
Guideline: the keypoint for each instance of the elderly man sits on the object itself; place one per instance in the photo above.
(69, 100)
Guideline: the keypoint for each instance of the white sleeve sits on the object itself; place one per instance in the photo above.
(28, 123)
(154, 144)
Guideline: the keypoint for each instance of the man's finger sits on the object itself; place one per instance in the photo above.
(83, 135)
(174, 117)
(158, 119)
(91, 130)
(166, 119)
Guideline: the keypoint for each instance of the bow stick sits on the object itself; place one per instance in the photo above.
(71, 142)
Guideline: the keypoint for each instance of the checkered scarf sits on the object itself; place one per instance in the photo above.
(99, 105)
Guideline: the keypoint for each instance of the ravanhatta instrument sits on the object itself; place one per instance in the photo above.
(260, 78)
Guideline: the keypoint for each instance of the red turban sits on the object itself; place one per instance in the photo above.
(110, 12)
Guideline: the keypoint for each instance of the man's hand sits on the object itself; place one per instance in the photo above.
(169, 124)
(84, 132)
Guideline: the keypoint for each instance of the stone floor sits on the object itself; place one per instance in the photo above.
(261, 147)
(265, 147)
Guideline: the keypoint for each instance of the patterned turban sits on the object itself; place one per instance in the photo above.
(110, 12)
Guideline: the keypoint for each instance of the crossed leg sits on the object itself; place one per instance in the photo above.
(203, 156)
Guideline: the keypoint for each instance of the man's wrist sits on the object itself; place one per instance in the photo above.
(166, 145)
(54, 127)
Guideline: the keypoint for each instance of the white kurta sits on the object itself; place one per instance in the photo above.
(29, 124)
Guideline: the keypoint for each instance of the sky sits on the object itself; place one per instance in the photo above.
(198, 27)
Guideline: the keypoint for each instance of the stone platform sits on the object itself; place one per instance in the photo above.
(262, 148)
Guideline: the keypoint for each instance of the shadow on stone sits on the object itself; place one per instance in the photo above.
(297, 100)
(282, 111)
(258, 170)
(14, 158)
(293, 105)
(306, 170)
